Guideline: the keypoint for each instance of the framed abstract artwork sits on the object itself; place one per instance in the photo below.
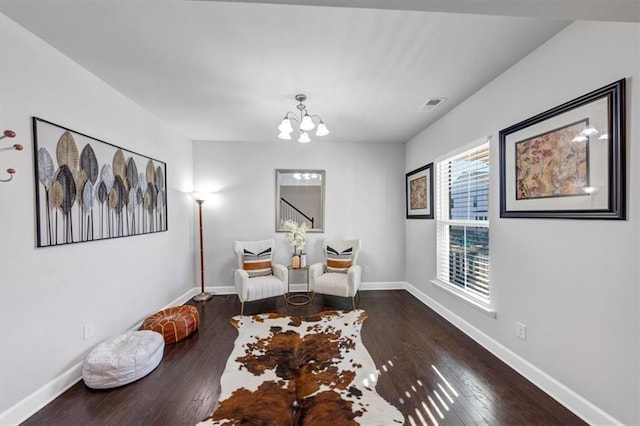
(568, 162)
(419, 193)
(88, 190)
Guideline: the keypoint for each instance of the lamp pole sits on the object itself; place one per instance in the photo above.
(203, 296)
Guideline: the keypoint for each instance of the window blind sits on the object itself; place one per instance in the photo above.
(462, 216)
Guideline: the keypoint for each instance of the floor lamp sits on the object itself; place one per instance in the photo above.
(203, 296)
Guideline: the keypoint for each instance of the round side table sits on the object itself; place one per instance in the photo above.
(298, 299)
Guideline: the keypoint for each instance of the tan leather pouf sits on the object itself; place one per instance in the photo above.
(173, 323)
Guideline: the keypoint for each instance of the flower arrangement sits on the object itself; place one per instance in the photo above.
(295, 237)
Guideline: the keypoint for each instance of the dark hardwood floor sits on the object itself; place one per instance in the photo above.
(429, 369)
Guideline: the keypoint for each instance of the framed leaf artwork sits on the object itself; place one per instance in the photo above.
(567, 162)
(88, 189)
(419, 193)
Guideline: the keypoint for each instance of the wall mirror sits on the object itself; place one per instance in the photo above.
(300, 198)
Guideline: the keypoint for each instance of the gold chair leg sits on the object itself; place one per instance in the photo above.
(353, 302)
(242, 309)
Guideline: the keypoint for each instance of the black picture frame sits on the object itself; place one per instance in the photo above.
(567, 162)
(419, 193)
(127, 190)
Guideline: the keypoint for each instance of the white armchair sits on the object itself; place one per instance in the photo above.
(257, 277)
(340, 276)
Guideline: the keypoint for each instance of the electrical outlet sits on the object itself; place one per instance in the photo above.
(88, 330)
(521, 331)
(367, 269)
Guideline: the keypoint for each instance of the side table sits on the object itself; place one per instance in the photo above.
(298, 299)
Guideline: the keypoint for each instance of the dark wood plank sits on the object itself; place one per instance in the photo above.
(429, 369)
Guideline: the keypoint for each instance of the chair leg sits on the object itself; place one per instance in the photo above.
(242, 309)
(353, 302)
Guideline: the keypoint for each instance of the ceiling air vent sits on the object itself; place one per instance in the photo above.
(431, 104)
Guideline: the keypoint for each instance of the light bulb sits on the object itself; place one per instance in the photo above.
(322, 130)
(285, 126)
(307, 123)
(284, 135)
(304, 138)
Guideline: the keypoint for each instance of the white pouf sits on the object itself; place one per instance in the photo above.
(123, 359)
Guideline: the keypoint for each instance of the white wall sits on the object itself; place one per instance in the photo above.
(574, 283)
(364, 199)
(47, 294)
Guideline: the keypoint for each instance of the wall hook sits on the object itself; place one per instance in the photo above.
(17, 147)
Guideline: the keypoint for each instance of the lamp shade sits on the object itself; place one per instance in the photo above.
(322, 130)
(284, 135)
(304, 138)
(307, 123)
(285, 126)
(201, 196)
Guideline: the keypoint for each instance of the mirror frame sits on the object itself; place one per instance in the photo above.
(323, 177)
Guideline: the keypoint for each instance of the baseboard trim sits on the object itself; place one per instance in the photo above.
(577, 404)
(24, 409)
(30, 405)
(225, 289)
(383, 285)
(295, 287)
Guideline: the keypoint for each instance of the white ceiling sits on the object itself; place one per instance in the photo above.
(229, 70)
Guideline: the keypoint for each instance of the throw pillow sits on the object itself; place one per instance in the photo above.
(339, 261)
(257, 265)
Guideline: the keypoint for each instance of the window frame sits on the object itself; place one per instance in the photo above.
(442, 200)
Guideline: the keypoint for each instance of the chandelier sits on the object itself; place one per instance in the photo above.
(305, 123)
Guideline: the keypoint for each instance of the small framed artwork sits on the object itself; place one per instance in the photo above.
(568, 162)
(87, 189)
(419, 193)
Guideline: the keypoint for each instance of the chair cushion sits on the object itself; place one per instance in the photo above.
(339, 261)
(257, 264)
(123, 359)
(173, 323)
(263, 287)
(333, 283)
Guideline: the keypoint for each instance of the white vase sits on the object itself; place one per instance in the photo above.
(303, 260)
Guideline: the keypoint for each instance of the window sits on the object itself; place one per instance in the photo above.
(462, 218)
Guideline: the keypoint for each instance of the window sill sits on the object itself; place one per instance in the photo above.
(482, 307)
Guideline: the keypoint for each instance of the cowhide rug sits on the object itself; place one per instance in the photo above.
(301, 371)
